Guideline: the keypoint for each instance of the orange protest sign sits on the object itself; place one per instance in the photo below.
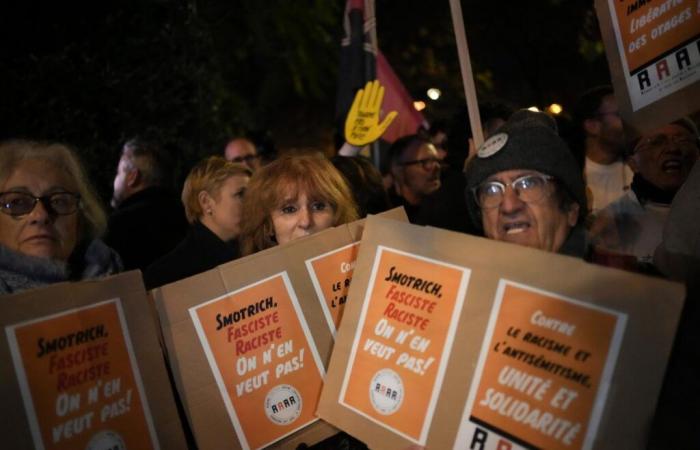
(262, 355)
(79, 380)
(649, 31)
(404, 335)
(543, 372)
(653, 50)
(331, 274)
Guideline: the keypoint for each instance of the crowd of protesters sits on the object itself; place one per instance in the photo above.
(606, 193)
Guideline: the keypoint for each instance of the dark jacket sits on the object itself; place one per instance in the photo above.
(200, 251)
(146, 226)
(446, 208)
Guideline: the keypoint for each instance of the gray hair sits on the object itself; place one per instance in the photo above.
(153, 163)
(12, 153)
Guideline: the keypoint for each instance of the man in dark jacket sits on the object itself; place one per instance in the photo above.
(148, 218)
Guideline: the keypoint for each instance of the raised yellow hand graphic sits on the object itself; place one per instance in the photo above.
(362, 125)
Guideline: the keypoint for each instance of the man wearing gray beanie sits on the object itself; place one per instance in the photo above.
(524, 186)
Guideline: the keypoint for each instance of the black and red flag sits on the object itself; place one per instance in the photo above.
(361, 61)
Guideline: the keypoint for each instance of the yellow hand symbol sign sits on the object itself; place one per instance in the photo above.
(362, 125)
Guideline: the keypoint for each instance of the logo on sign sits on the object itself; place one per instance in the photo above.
(386, 391)
(492, 145)
(106, 440)
(283, 404)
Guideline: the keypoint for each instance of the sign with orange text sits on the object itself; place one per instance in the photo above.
(263, 358)
(404, 336)
(653, 49)
(80, 382)
(331, 274)
(543, 372)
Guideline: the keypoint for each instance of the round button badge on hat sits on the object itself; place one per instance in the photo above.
(492, 145)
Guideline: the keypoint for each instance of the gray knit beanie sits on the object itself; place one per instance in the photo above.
(528, 141)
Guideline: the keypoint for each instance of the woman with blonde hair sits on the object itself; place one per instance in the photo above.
(212, 196)
(294, 196)
(50, 218)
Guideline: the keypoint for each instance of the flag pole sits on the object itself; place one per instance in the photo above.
(465, 66)
(371, 22)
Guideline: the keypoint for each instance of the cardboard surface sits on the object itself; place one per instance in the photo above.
(84, 369)
(548, 351)
(653, 51)
(249, 343)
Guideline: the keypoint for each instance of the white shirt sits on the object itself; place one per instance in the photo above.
(607, 182)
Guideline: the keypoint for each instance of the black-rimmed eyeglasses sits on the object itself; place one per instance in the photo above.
(529, 188)
(426, 163)
(21, 203)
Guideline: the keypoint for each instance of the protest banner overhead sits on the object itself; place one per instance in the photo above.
(653, 51)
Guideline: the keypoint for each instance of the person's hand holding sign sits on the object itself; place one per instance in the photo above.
(362, 125)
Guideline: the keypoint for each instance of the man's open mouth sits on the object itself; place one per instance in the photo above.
(515, 227)
(672, 166)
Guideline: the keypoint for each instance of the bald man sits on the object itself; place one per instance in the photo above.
(242, 150)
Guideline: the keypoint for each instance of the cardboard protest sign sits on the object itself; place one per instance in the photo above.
(453, 341)
(331, 274)
(413, 330)
(249, 343)
(85, 367)
(653, 50)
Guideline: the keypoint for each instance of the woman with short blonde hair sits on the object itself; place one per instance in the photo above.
(293, 196)
(208, 176)
(212, 197)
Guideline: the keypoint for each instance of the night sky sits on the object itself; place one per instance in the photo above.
(192, 73)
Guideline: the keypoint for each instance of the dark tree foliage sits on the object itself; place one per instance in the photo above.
(191, 73)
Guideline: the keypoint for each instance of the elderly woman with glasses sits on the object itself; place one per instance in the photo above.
(50, 218)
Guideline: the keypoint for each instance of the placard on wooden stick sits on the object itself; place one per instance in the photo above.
(453, 341)
(653, 51)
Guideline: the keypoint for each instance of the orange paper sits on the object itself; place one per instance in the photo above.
(262, 355)
(79, 380)
(405, 334)
(648, 31)
(331, 274)
(543, 372)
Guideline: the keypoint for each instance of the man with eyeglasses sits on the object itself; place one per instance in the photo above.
(602, 140)
(525, 187)
(633, 225)
(415, 169)
(242, 150)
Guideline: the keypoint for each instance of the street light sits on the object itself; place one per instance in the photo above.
(419, 105)
(434, 93)
(555, 108)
